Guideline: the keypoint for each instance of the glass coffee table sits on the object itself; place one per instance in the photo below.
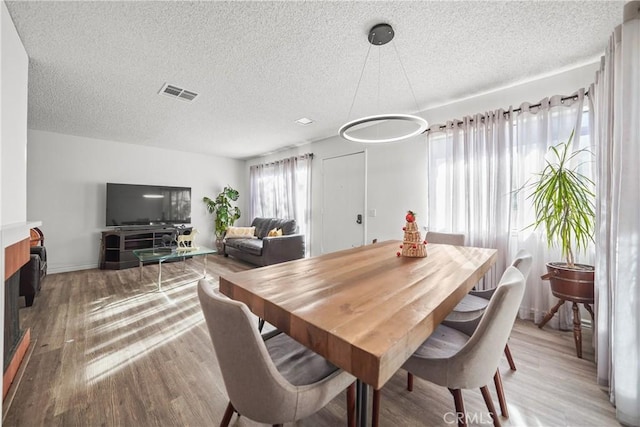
(163, 254)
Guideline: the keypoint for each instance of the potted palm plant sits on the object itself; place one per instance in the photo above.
(563, 201)
(226, 214)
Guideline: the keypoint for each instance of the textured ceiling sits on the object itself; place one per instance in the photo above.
(96, 67)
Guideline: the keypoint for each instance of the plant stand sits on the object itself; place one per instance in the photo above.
(577, 327)
(575, 286)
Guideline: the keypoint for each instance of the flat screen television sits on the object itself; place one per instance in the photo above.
(137, 205)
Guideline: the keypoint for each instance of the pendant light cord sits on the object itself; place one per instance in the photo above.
(379, 77)
(359, 81)
(406, 76)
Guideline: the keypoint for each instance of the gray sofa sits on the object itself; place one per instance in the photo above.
(268, 250)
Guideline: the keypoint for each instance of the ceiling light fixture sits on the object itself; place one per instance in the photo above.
(304, 121)
(403, 125)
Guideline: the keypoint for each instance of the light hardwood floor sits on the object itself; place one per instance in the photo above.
(108, 349)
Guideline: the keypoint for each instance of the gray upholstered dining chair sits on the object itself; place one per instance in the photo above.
(455, 360)
(445, 238)
(271, 379)
(466, 316)
(468, 312)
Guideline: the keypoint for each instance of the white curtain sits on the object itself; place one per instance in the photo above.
(616, 117)
(536, 128)
(469, 183)
(282, 189)
(475, 167)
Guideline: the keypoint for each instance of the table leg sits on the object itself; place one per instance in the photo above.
(160, 275)
(358, 401)
(362, 392)
(577, 330)
(375, 411)
(140, 268)
(204, 272)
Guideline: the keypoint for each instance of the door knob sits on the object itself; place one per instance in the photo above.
(359, 219)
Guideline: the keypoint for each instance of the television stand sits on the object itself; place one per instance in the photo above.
(117, 245)
(145, 227)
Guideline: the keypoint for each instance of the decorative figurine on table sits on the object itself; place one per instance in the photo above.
(186, 241)
(412, 244)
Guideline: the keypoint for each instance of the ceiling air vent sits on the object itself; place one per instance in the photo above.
(177, 92)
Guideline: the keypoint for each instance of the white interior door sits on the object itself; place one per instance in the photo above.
(343, 202)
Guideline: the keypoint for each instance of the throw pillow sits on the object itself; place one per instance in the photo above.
(275, 232)
(240, 233)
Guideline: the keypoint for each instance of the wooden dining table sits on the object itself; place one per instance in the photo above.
(364, 309)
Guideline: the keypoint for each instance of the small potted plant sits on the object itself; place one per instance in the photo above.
(563, 201)
(226, 214)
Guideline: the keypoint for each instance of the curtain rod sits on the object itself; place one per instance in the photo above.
(516, 110)
(310, 155)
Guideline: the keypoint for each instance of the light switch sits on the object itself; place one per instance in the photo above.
(372, 213)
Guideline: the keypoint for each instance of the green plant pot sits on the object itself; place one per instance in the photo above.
(220, 246)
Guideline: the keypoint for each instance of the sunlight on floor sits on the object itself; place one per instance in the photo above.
(516, 418)
(170, 287)
(122, 318)
(156, 318)
(131, 326)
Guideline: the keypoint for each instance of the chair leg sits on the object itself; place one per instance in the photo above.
(226, 419)
(507, 353)
(260, 324)
(460, 413)
(492, 409)
(409, 381)
(497, 380)
(351, 405)
(375, 409)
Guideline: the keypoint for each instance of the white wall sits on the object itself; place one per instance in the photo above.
(66, 177)
(14, 73)
(396, 179)
(14, 69)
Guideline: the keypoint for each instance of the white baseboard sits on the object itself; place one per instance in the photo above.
(53, 269)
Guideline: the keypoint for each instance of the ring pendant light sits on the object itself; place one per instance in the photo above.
(379, 35)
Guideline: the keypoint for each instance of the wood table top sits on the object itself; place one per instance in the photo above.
(364, 309)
